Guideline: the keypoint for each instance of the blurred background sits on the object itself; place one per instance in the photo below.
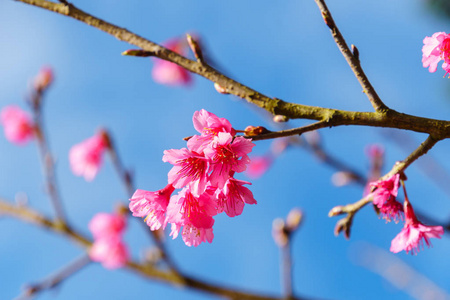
(283, 50)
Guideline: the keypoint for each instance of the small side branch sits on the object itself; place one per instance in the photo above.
(143, 269)
(47, 160)
(345, 224)
(290, 132)
(421, 150)
(55, 279)
(352, 58)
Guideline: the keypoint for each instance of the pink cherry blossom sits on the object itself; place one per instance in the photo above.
(232, 198)
(209, 125)
(103, 225)
(227, 154)
(111, 252)
(258, 166)
(151, 205)
(185, 208)
(435, 49)
(413, 233)
(193, 236)
(86, 157)
(384, 197)
(168, 73)
(17, 124)
(189, 167)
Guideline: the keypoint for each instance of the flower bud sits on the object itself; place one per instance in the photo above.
(293, 219)
(137, 52)
(279, 232)
(220, 89)
(337, 210)
(280, 119)
(255, 130)
(43, 80)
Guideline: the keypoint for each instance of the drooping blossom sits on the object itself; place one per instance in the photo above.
(103, 225)
(43, 80)
(193, 236)
(234, 196)
(414, 233)
(17, 124)
(227, 154)
(168, 73)
(435, 49)
(111, 252)
(195, 215)
(86, 157)
(108, 247)
(384, 197)
(151, 205)
(209, 126)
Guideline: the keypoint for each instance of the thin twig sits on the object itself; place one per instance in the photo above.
(127, 180)
(421, 150)
(289, 132)
(47, 160)
(345, 224)
(55, 279)
(352, 58)
(286, 271)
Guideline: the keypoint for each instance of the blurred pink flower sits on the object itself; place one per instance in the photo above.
(168, 73)
(17, 124)
(104, 225)
(435, 49)
(111, 252)
(258, 166)
(108, 247)
(86, 157)
(410, 238)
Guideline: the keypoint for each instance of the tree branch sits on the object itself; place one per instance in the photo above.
(352, 58)
(384, 117)
(56, 278)
(143, 269)
(47, 161)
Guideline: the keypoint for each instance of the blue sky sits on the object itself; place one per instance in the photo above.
(282, 50)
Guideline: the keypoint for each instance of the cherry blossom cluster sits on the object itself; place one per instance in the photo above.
(414, 232)
(435, 49)
(204, 171)
(108, 247)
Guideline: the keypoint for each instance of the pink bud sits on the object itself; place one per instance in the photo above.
(220, 89)
(44, 78)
